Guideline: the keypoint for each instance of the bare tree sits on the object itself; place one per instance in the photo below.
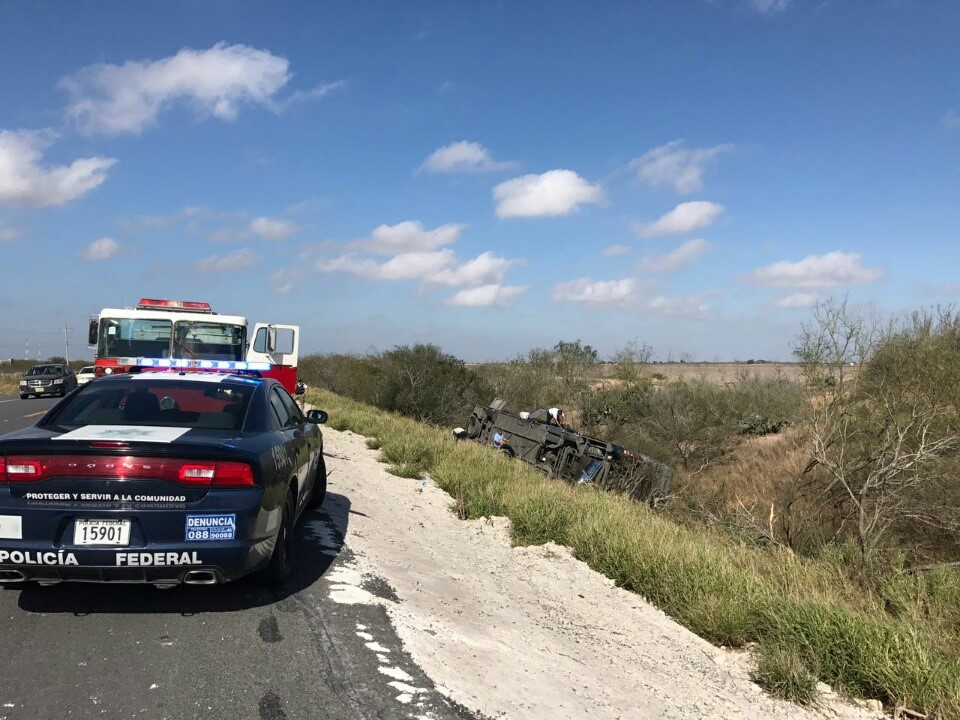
(876, 437)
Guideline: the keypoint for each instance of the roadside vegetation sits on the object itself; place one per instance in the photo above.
(815, 518)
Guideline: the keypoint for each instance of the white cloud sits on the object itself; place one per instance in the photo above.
(236, 260)
(409, 236)
(685, 217)
(682, 305)
(486, 269)
(829, 270)
(102, 249)
(684, 255)
(556, 192)
(114, 99)
(314, 93)
(8, 233)
(283, 280)
(406, 266)
(950, 120)
(271, 229)
(488, 295)
(23, 181)
(463, 156)
(675, 166)
(191, 214)
(597, 292)
(769, 6)
(798, 300)
(616, 250)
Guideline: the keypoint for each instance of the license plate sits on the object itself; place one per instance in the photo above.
(38, 389)
(101, 532)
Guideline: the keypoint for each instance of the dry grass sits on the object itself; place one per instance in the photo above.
(9, 383)
(727, 372)
(755, 473)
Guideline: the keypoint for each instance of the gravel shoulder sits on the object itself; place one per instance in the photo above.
(525, 632)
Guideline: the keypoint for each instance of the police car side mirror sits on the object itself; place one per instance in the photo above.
(316, 416)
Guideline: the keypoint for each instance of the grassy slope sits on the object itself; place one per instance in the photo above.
(898, 644)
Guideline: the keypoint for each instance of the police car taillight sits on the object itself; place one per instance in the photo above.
(187, 472)
(18, 470)
(217, 474)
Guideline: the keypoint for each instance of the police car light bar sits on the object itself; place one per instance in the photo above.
(152, 304)
(184, 364)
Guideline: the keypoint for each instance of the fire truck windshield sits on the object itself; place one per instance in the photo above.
(184, 339)
(208, 341)
(131, 337)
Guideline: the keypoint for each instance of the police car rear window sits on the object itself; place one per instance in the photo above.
(212, 406)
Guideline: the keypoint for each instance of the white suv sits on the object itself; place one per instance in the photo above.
(85, 375)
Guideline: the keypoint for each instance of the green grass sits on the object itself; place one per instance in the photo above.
(894, 638)
(784, 674)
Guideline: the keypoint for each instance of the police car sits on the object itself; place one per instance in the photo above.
(160, 477)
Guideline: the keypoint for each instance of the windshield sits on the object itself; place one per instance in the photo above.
(589, 472)
(132, 337)
(189, 404)
(208, 341)
(44, 370)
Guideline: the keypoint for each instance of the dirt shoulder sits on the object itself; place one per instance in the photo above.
(525, 632)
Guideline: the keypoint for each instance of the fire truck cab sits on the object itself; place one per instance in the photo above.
(190, 335)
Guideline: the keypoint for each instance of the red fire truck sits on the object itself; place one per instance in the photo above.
(191, 336)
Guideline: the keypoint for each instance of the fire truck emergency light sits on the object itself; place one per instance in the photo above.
(152, 304)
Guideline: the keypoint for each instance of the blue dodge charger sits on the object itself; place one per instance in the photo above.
(162, 478)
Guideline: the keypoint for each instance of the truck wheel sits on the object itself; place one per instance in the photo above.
(474, 427)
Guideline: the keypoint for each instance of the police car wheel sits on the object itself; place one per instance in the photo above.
(319, 491)
(277, 573)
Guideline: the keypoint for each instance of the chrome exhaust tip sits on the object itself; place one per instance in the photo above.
(200, 577)
(12, 576)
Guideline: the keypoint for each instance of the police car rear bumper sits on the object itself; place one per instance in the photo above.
(172, 565)
(165, 546)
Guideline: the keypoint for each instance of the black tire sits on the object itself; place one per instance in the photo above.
(319, 491)
(278, 572)
(474, 427)
(23, 397)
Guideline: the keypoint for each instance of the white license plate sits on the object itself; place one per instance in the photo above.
(101, 532)
(38, 389)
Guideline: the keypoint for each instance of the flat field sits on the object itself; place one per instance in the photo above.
(726, 372)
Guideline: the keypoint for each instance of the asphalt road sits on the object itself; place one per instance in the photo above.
(234, 651)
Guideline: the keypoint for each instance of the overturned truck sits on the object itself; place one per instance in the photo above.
(559, 451)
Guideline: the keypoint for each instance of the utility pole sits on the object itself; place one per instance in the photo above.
(66, 343)
(26, 350)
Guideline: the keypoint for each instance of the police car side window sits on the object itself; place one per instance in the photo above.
(279, 414)
(293, 410)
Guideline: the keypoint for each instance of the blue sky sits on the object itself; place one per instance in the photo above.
(486, 176)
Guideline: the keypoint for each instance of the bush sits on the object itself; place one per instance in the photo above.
(419, 381)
